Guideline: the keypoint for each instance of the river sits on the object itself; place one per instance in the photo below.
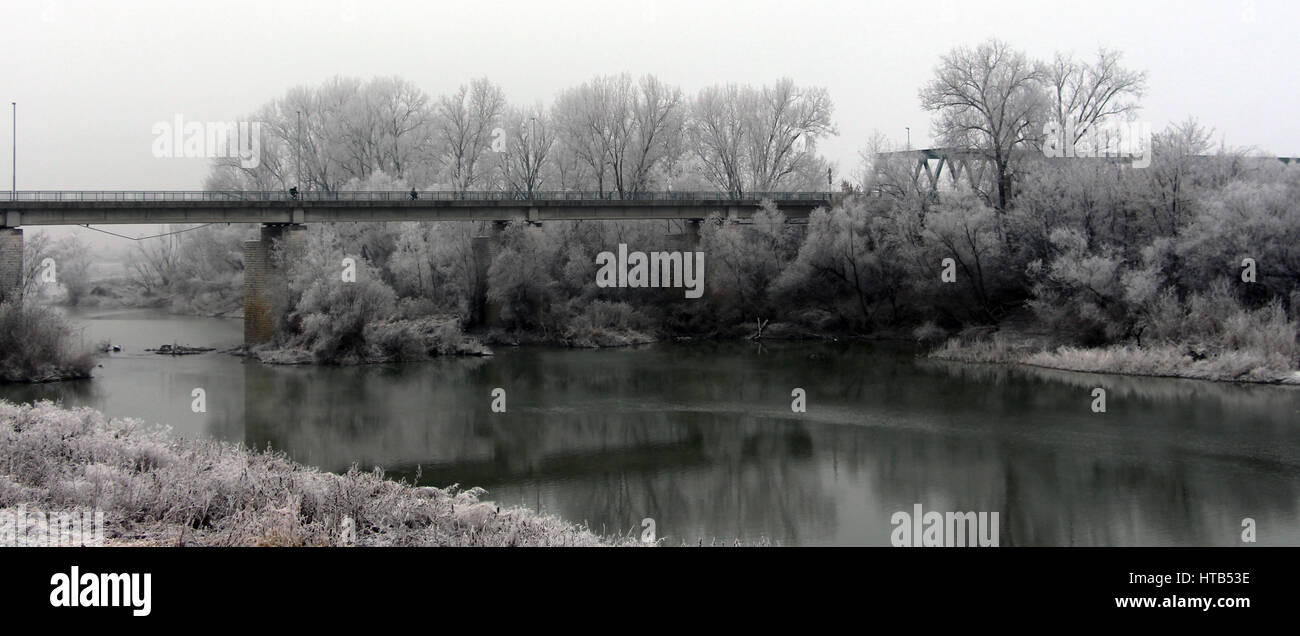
(701, 437)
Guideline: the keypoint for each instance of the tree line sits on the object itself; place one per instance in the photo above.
(612, 134)
(1091, 251)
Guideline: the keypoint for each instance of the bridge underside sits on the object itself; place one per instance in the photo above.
(25, 213)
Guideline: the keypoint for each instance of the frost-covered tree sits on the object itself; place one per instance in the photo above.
(746, 260)
(349, 130)
(621, 129)
(989, 99)
(760, 139)
(530, 137)
(1086, 95)
(465, 126)
(328, 315)
(434, 262)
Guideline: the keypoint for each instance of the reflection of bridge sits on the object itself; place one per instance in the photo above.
(282, 217)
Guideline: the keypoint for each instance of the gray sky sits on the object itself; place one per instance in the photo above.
(91, 78)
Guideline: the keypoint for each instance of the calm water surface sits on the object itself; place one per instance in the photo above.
(701, 436)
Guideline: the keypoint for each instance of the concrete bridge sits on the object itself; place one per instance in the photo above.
(283, 218)
(143, 207)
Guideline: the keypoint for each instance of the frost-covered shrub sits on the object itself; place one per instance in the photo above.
(608, 324)
(420, 339)
(929, 333)
(37, 345)
(155, 489)
(328, 315)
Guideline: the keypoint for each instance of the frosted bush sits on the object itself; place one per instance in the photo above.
(157, 489)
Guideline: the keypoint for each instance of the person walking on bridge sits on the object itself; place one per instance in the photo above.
(415, 196)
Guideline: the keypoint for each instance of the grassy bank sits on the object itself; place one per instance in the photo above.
(1162, 360)
(158, 490)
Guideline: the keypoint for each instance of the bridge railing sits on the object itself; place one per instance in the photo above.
(422, 195)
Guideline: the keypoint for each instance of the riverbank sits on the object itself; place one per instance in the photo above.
(585, 335)
(430, 337)
(121, 292)
(1168, 360)
(158, 490)
(377, 342)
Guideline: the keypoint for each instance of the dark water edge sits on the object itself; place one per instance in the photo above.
(700, 436)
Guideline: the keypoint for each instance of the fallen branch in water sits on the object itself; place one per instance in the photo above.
(179, 350)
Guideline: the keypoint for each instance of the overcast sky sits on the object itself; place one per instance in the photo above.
(91, 78)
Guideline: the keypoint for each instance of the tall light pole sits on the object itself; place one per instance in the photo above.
(909, 136)
(14, 192)
(297, 158)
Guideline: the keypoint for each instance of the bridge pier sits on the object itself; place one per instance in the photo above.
(11, 263)
(266, 284)
(689, 239)
(485, 249)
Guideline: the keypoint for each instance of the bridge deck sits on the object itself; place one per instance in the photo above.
(149, 207)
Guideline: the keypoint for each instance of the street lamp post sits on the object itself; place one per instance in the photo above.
(909, 137)
(14, 192)
(297, 159)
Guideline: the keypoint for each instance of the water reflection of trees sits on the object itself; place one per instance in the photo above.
(69, 392)
(1172, 461)
(1277, 398)
(701, 438)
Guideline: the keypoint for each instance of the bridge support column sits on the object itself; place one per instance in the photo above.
(485, 249)
(266, 285)
(690, 236)
(11, 263)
